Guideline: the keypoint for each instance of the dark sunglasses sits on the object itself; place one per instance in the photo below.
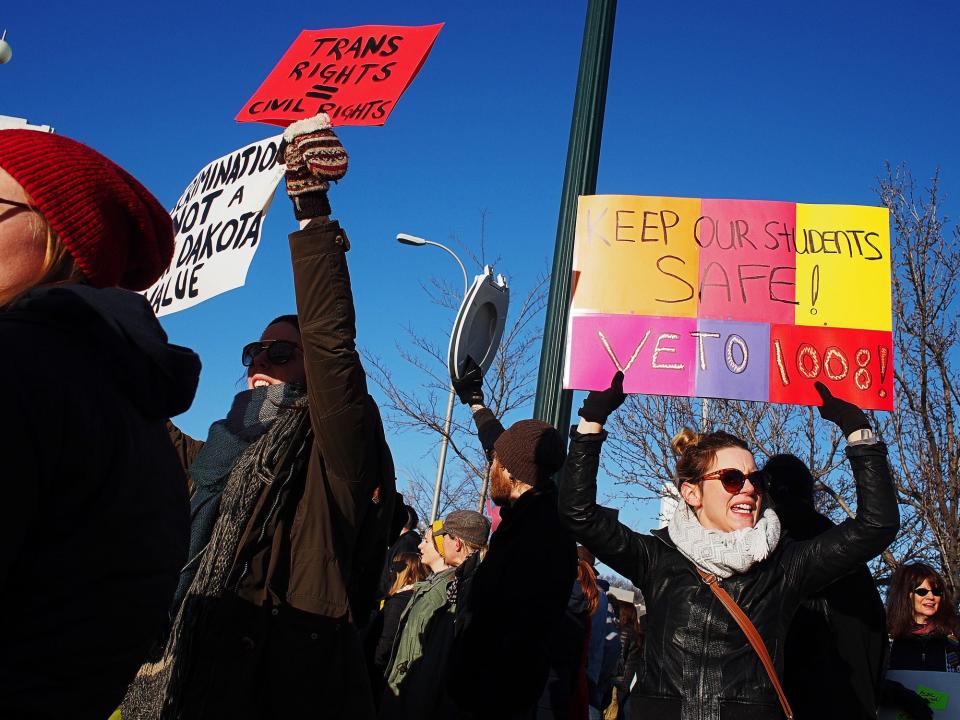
(734, 479)
(922, 592)
(278, 352)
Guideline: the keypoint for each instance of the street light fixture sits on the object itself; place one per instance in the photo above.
(5, 50)
(415, 241)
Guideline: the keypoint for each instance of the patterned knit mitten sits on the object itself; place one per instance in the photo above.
(314, 156)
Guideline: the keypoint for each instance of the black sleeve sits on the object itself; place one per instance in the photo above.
(488, 429)
(841, 549)
(392, 610)
(598, 528)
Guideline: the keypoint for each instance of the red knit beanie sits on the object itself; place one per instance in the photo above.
(113, 227)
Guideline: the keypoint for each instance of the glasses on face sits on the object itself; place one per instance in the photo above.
(15, 203)
(733, 479)
(922, 592)
(278, 352)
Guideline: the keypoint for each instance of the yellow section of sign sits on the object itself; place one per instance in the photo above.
(636, 255)
(843, 266)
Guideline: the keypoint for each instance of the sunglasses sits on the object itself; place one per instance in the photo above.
(922, 592)
(733, 479)
(278, 352)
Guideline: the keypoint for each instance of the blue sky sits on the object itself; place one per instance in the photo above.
(800, 102)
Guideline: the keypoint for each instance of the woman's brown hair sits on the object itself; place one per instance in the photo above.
(413, 571)
(906, 579)
(588, 583)
(695, 452)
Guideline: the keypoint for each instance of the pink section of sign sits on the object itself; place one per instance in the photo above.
(747, 263)
(656, 354)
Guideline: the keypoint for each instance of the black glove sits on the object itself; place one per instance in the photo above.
(600, 403)
(896, 695)
(469, 387)
(314, 156)
(848, 416)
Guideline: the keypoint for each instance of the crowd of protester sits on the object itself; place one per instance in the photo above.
(272, 570)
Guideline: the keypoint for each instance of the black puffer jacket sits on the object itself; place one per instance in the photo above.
(697, 662)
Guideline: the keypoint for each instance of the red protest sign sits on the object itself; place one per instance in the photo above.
(355, 75)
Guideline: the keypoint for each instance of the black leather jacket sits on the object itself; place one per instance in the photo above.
(698, 664)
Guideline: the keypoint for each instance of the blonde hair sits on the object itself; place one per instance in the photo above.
(58, 266)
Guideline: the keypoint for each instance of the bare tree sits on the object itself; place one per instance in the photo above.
(509, 385)
(924, 429)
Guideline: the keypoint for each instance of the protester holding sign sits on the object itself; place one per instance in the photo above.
(723, 543)
(95, 531)
(303, 484)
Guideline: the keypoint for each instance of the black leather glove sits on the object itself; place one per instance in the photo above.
(469, 387)
(600, 403)
(848, 416)
(896, 695)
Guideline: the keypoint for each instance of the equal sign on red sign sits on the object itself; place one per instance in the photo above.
(355, 75)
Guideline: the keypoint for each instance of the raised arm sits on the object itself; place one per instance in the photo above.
(859, 539)
(469, 388)
(595, 527)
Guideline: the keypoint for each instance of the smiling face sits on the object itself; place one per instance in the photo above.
(715, 508)
(925, 607)
(263, 372)
(23, 241)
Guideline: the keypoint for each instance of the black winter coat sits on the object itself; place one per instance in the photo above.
(836, 645)
(97, 521)
(517, 598)
(697, 662)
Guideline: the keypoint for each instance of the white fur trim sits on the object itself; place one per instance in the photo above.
(300, 127)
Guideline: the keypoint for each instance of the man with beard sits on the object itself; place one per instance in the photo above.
(521, 588)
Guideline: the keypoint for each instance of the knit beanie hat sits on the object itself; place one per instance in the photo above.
(113, 227)
(469, 526)
(531, 451)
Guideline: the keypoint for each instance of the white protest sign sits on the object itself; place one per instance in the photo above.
(217, 222)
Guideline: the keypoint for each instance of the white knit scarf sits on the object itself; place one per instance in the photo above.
(723, 553)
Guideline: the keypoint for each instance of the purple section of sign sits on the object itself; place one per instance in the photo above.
(657, 354)
(733, 360)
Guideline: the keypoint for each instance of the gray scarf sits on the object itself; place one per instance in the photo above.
(723, 553)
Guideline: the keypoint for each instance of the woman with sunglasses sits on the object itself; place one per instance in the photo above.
(922, 621)
(698, 663)
(95, 520)
(294, 494)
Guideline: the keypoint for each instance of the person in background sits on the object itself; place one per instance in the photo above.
(418, 661)
(300, 490)
(701, 664)
(409, 571)
(521, 589)
(566, 694)
(604, 643)
(922, 621)
(407, 541)
(836, 644)
(96, 523)
(631, 653)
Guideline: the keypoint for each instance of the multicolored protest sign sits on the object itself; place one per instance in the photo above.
(738, 299)
(217, 222)
(355, 75)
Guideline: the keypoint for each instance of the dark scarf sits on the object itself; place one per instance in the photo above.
(250, 416)
(158, 685)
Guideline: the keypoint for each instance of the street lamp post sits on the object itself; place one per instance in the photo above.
(415, 241)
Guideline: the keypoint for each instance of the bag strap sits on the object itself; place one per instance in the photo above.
(752, 635)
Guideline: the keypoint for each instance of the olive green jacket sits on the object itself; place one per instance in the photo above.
(424, 637)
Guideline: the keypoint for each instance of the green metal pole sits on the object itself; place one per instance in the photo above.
(552, 404)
